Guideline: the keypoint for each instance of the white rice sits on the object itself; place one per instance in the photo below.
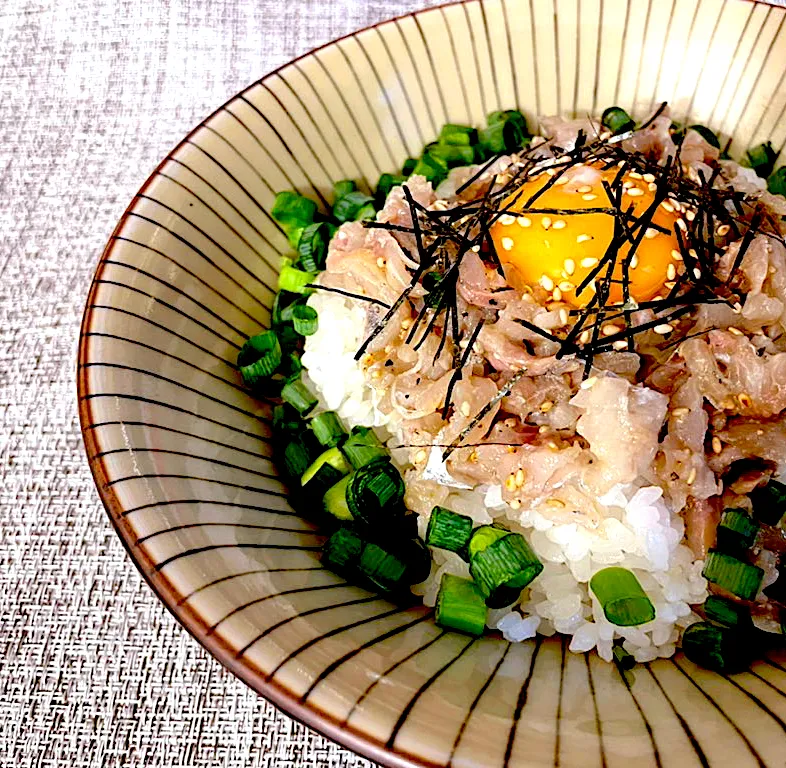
(638, 530)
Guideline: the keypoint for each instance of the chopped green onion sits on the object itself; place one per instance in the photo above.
(386, 182)
(297, 457)
(362, 447)
(347, 207)
(460, 605)
(508, 562)
(483, 537)
(622, 658)
(294, 213)
(761, 158)
(418, 559)
(333, 458)
(335, 500)
(313, 245)
(304, 320)
(367, 212)
(383, 569)
(435, 169)
(777, 182)
(622, 598)
(448, 530)
(341, 552)
(294, 280)
(281, 310)
(706, 134)
(731, 574)
(288, 338)
(286, 420)
(502, 597)
(451, 154)
(724, 611)
(319, 482)
(290, 367)
(714, 647)
(327, 429)
(259, 357)
(736, 531)
(409, 166)
(457, 135)
(769, 502)
(506, 132)
(375, 491)
(288, 311)
(298, 395)
(343, 187)
(617, 120)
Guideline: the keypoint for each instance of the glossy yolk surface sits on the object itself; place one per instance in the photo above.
(558, 251)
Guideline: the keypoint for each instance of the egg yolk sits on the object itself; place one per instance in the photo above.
(558, 251)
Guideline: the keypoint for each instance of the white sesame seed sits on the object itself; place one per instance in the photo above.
(723, 229)
(667, 207)
(620, 344)
(680, 412)
(584, 337)
(519, 478)
(381, 262)
(560, 224)
(717, 446)
(570, 266)
(562, 180)
(652, 186)
(506, 219)
(691, 476)
(583, 238)
(563, 316)
(507, 243)
(589, 197)
(420, 456)
(514, 504)
(651, 233)
(669, 284)
(566, 286)
(589, 383)
(475, 249)
(663, 329)
(635, 192)
(545, 222)
(690, 215)
(584, 188)
(547, 283)
(524, 221)
(556, 294)
(510, 482)
(648, 177)
(635, 175)
(550, 171)
(627, 184)
(634, 261)
(735, 331)
(697, 273)
(676, 255)
(682, 225)
(610, 329)
(465, 410)
(546, 406)
(589, 262)
(671, 272)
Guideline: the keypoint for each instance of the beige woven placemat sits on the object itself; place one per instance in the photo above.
(93, 93)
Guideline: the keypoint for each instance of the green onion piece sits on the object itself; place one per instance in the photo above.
(335, 500)
(286, 420)
(288, 311)
(409, 166)
(293, 212)
(622, 658)
(294, 280)
(726, 612)
(452, 155)
(706, 134)
(375, 492)
(435, 169)
(333, 458)
(769, 502)
(343, 187)
(281, 310)
(318, 483)
(341, 552)
(714, 647)
(457, 135)
(777, 182)
(503, 596)
(290, 367)
(304, 320)
(259, 357)
(386, 182)
(448, 530)
(508, 562)
(417, 558)
(367, 213)
(297, 457)
(483, 537)
(313, 245)
(327, 429)
(299, 396)
(617, 120)
(362, 447)
(460, 606)
(506, 131)
(731, 574)
(347, 207)
(761, 158)
(622, 598)
(383, 569)
(736, 531)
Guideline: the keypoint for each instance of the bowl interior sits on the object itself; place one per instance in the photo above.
(181, 455)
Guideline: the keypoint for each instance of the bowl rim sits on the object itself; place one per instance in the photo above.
(245, 670)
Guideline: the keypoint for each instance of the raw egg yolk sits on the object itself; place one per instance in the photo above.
(558, 251)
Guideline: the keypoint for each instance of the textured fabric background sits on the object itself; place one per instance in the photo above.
(93, 93)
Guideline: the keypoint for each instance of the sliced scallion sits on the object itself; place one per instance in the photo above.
(622, 598)
(327, 429)
(305, 320)
(335, 500)
(417, 558)
(761, 158)
(408, 167)
(449, 530)
(343, 187)
(333, 458)
(318, 483)
(726, 612)
(375, 492)
(347, 207)
(286, 420)
(769, 502)
(484, 536)
(366, 212)
(362, 447)
(386, 182)
(776, 183)
(290, 367)
(719, 648)
(508, 561)
(297, 457)
(312, 246)
(452, 155)
(341, 552)
(299, 396)
(506, 131)
(460, 605)
(457, 135)
(435, 169)
(281, 305)
(736, 531)
(617, 120)
(259, 358)
(294, 213)
(384, 569)
(733, 575)
(706, 134)
(622, 658)
(294, 280)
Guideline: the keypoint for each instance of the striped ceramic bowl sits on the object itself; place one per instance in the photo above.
(181, 454)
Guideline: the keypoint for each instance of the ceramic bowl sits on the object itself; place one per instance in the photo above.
(181, 454)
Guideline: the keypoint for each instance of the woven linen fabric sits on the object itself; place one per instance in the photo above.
(94, 93)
